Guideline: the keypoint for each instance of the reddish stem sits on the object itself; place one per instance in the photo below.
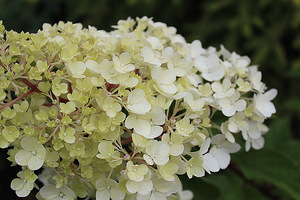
(111, 86)
(70, 87)
(29, 84)
(126, 141)
(60, 99)
(17, 99)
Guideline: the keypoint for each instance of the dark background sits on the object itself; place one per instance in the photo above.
(267, 31)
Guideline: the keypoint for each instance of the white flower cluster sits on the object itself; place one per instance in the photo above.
(118, 115)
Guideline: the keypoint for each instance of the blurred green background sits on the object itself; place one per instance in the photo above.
(267, 31)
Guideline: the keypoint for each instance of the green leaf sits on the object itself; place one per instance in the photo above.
(229, 184)
(253, 193)
(292, 104)
(291, 149)
(279, 132)
(273, 168)
(202, 190)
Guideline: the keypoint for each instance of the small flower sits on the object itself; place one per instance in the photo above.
(168, 171)
(165, 80)
(175, 142)
(210, 67)
(263, 103)
(194, 104)
(232, 104)
(157, 152)
(68, 135)
(76, 69)
(67, 108)
(59, 88)
(111, 107)
(194, 167)
(32, 153)
(108, 189)
(149, 56)
(136, 172)
(122, 63)
(10, 133)
(221, 149)
(21, 185)
(184, 127)
(222, 90)
(137, 102)
(50, 192)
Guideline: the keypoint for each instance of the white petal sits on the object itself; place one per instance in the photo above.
(116, 194)
(229, 111)
(161, 160)
(253, 132)
(132, 186)
(24, 192)
(230, 147)
(168, 89)
(223, 158)
(210, 163)
(271, 94)
(229, 137)
(130, 121)
(148, 159)
(102, 195)
(217, 139)
(17, 184)
(176, 149)
(67, 191)
(35, 163)
(233, 127)
(141, 107)
(142, 127)
(22, 157)
(258, 143)
(155, 43)
(29, 143)
(196, 49)
(155, 132)
(205, 145)
(49, 191)
(157, 196)
(240, 105)
(125, 58)
(145, 187)
(93, 66)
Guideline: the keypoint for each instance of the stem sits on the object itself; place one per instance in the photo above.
(17, 99)
(29, 84)
(126, 141)
(70, 88)
(110, 172)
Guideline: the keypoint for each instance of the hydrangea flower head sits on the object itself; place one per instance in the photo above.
(120, 114)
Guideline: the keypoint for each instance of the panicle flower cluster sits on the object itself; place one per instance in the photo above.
(118, 115)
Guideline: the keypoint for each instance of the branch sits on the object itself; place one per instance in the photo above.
(29, 84)
(17, 99)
